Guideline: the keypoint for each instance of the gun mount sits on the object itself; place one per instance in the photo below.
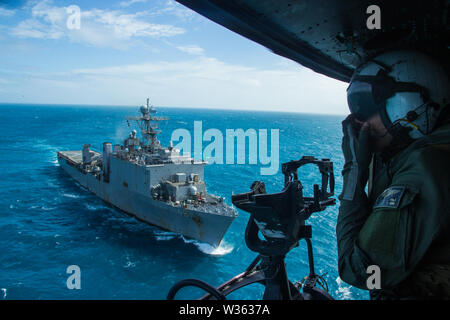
(280, 219)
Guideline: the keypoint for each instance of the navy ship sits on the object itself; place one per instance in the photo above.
(155, 184)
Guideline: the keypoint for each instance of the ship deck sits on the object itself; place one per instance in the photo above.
(75, 157)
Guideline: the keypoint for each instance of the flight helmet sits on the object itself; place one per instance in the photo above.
(409, 89)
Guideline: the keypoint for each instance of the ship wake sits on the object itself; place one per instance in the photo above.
(223, 249)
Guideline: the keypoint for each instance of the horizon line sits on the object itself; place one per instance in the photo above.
(174, 107)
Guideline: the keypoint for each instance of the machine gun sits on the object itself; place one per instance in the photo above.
(280, 219)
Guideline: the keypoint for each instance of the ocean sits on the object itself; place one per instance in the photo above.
(48, 222)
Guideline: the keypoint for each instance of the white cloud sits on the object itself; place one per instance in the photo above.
(131, 2)
(181, 12)
(32, 28)
(198, 82)
(6, 12)
(98, 27)
(191, 49)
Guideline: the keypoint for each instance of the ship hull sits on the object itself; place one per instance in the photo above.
(203, 226)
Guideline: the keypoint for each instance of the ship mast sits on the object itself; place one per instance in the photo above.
(149, 126)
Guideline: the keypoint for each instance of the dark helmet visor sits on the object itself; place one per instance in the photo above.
(366, 95)
(361, 100)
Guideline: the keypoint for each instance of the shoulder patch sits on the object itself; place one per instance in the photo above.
(390, 198)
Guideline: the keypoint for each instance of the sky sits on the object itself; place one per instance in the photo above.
(127, 50)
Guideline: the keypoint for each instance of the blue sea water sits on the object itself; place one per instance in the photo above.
(47, 222)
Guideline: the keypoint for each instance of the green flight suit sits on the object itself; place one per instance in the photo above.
(403, 225)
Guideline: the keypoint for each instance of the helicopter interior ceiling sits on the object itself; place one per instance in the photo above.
(331, 36)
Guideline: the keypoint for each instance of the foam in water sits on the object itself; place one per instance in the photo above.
(129, 263)
(223, 249)
(164, 238)
(164, 235)
(94, 208)
(69, 195)
(47, 208)
(343, 291)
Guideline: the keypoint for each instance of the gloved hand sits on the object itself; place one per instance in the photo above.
(357, 155)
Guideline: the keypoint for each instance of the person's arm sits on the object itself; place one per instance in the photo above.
(397, 232)
(353, 210)
(352, 262)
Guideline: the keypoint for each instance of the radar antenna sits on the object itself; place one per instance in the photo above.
(148, 125)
